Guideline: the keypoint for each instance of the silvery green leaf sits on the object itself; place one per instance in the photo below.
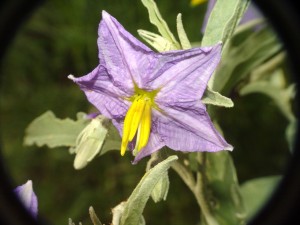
(53, 132)
(117, 214)
(256, 192)
(238, 61)
(94, 217)
(90, 141)
(157, 20)
(221, 24)
(223, 20)
(214, 98)
(161, 189)
(158, 42)
(184, 41)
(135, 204)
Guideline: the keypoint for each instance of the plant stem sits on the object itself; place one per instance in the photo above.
(197, 187)
(184, 174)
(200, 191)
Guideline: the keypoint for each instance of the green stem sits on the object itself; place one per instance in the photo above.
(197, 187)
(200, 191)
(184, 174)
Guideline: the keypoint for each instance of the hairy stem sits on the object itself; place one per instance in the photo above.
(200, 191)
(185, 174)
(197, 186)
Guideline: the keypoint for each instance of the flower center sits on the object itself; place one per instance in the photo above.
(138, 120)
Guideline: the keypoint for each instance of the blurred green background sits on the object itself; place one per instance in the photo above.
(60, 39)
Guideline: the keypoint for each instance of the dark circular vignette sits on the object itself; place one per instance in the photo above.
(282, 209)
(284, 206)
(13, 13)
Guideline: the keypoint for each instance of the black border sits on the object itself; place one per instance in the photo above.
(282, 209)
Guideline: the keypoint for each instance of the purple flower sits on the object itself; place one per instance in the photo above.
(28, 197)
(153, 99)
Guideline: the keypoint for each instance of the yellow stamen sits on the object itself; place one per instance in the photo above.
(137, 122)
(127, 126)
(136, 118)
(138, 135)
(145, 127)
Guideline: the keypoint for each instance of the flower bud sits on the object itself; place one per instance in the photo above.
(89, 142)
(161, 189)
(27, 197)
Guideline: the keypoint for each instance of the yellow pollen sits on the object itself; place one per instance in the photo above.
(137, 123)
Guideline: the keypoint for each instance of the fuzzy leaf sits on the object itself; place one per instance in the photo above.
(118, 211)
(53, 132)
(157, 20)
(256, 192)
(161, 189)
(158, 42)
(136, 202)
(223, 20)
(215, 98)
(220, 27)
(184, 41)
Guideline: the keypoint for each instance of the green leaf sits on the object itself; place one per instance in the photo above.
(136, 202)
(238, 61)
(117, 214)
(222, 188)
(214, 98)
(184, 41)
(223, 20)
(256, 192)
(53, 132)
(158, 42)
(157, 20)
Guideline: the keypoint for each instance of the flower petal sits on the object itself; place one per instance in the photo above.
(189, 129)
(187, 78)
(103, 94)
(126, 59)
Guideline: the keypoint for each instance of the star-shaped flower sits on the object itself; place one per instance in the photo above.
(153, 99)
